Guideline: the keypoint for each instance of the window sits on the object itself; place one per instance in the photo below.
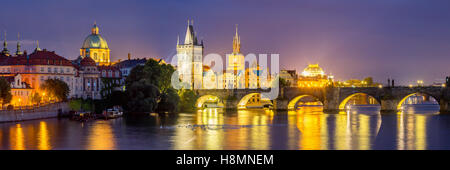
(95, 56)
(49, 69)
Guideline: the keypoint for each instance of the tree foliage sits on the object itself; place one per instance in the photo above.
(36, 98)
(55, 88)
(5, 91)
(142, 97)
(169, 101)
(187, 99)
(148, 88)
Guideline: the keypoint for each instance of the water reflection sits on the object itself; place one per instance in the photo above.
(412, 124)
(101, 136)
(17, 138)
(346, 130)
(44, 139)
(308, 128)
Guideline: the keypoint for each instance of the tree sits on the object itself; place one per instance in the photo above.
(283, 83)
(56, 89)
(149, 88)
(168, 101)
(187, 100)
(142, 97)
(5, 91)
(36, 98)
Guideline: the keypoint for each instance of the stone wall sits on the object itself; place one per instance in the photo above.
(48, 111)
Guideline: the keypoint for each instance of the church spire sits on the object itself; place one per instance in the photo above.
(18, 52)
(5, 45)
(189, 39)
(37, 46)
(236, 42)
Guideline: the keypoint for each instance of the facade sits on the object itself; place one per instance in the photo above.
(190, 59)
(290, 76)
(126, 65)
(96, 47)
(87, 78)
(110, 80)
(21, 92)
(39, 66)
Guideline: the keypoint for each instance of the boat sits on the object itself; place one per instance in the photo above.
(112, 113)
(83, 116)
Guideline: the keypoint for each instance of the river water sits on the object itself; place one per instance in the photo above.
(418, 127)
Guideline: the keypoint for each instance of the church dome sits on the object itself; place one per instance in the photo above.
(95, 40)
(313, 70)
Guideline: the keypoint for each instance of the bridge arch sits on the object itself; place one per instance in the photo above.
(346, 99)
(294, 101)
(200, 103)
(253, 97)
(402, 101)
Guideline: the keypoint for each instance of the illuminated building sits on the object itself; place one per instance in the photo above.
(96, 47)
(313, 76)
(21, 92)
(88, 78)
(190, 58)
(37, 67)
(290, 76)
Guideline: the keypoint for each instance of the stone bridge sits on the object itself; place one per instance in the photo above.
(332, 98)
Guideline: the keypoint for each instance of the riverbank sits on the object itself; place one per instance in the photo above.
(43, 112)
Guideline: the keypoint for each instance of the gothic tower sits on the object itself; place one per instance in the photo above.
(190, 58)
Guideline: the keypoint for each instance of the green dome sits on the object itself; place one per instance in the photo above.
(95, 41)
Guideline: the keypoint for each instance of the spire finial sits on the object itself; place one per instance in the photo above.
(37, 46)
(192, 22)
(188, 22)
(178, 39)
(4, 39)
(18, 45)
(5, 44)
(236, 42)
(95, 28)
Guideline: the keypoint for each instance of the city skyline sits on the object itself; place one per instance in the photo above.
(388, 41)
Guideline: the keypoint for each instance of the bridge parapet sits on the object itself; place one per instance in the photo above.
(390, 98)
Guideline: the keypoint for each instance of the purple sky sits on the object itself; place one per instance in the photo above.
(404, 39)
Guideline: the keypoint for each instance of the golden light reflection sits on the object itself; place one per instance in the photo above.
(101, 136)
(351, 130)
(310, 126)
(411, 131)
(17, 138)
(44, 139)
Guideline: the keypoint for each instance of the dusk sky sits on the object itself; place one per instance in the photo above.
(403, 39)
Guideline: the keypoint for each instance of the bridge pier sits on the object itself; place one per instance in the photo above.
(230, 104)
(280, 104)
(444, 106)
(389, 106)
